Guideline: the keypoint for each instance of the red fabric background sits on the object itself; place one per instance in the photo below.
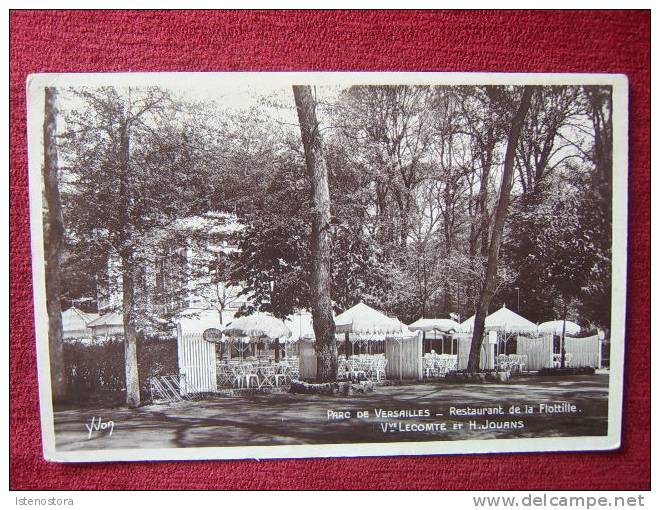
(617, 42)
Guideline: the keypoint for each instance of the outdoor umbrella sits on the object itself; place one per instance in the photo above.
(504, 320)
(557, 328)
(442, 325)
(257, 325)
(364, 320)
(436, 326)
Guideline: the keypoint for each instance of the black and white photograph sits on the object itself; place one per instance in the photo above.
(277, 265)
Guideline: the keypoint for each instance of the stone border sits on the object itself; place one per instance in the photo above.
(331, 388)
(566, 371)
(478, 377)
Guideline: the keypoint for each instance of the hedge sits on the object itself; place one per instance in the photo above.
(96, 372)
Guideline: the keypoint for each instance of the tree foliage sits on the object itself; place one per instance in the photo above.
(413, 175)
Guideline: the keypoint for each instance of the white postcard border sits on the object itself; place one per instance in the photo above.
(35, 98)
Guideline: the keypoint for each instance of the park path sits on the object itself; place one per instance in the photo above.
(268, 419)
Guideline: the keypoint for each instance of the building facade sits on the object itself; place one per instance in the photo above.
(182, 270)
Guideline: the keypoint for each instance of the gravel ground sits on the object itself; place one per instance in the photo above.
(574, 406)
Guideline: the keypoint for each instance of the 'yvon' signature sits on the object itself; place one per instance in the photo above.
(100, 425)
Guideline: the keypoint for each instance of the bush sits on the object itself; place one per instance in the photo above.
(96, 372)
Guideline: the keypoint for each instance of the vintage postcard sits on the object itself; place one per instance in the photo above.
(279, 265)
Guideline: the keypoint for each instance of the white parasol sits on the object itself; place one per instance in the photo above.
(442, 325)
(257, 325)
(557, 328)
(366, 321)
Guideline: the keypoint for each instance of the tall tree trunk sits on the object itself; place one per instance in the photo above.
(320, 277)
(130, 334)
(486, 163)
(600, 102)
(488, 148)
(488, 288)
(128, 281)
(53, 237)
(563, 336)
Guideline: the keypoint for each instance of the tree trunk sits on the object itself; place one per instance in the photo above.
(488, 288)
(563, 336)
(320, 277)
(487, 161)
(488, 148)
(130, 334)
(600, 102)
(128, 282)
(53, 226)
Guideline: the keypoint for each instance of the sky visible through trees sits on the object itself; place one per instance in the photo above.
(414, 174)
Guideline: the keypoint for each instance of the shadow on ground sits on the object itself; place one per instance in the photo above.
(281, 419)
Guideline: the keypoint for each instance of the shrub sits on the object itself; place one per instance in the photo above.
(566, 371)
(96, 372)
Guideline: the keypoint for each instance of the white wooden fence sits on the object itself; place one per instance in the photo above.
(486, 358)
(538, 351)
(585, 351)
(197, 364)
(404, 358)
